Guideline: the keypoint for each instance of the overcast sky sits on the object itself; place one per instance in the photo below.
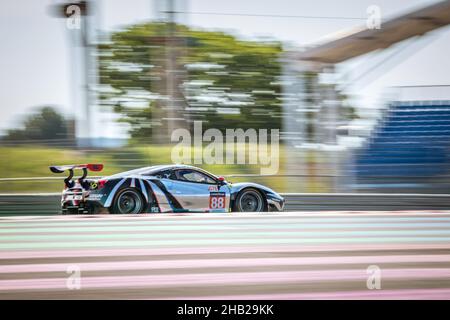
(35, 52)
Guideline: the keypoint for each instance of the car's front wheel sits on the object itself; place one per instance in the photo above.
(128, 201)
(250, 200)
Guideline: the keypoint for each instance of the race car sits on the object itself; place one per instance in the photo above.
(161, 189)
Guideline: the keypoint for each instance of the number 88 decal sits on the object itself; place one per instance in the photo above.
(217, 201)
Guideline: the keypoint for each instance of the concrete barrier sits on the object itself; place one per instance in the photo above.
(49, 203)
(366, 202)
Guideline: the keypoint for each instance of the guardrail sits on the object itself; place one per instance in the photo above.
(48, 203)
(366, 201)
(30, 204)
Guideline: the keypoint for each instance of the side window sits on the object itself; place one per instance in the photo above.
(194, 176)
(166, 174)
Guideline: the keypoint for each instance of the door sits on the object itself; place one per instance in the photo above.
(197, 191)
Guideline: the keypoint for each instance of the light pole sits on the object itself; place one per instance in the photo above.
(83, 64)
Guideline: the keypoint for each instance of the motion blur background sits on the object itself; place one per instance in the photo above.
(359, 109)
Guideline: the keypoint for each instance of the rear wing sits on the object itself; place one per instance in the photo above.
(85, 167)
(89, 166)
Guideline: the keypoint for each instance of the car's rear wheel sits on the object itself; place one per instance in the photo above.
(250, 200)
(128, 201)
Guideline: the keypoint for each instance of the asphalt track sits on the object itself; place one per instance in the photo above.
(290, 255)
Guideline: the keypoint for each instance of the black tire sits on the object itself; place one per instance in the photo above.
(250, 200)
(128, 201)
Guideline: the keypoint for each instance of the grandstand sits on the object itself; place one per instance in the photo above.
(408, 147)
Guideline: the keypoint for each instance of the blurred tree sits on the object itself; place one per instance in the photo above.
(226, 82)
(47, 124)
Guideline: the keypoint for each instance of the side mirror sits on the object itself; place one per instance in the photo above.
(221, 180)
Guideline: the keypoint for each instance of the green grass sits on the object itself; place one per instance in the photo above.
(33, 161)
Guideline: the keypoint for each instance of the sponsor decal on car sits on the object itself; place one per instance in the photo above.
(71, 197)
(96, 196)
(154, 210)
(213, 188)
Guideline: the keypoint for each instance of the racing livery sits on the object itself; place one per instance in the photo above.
(163, 188)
